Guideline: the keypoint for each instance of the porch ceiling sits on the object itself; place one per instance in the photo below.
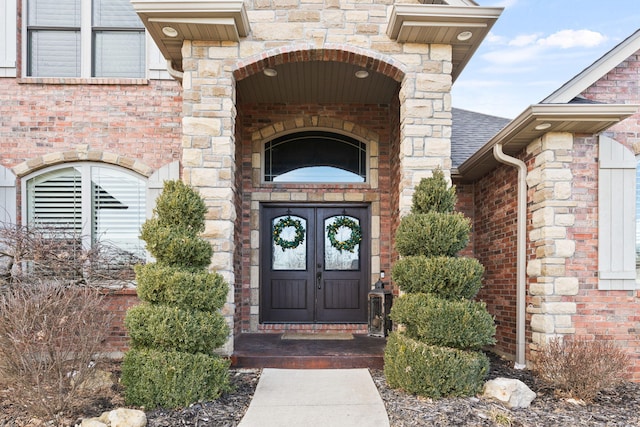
(320, 81)
(539, 119)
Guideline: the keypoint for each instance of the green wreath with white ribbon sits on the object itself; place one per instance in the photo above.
(280, 226)
(349, 244)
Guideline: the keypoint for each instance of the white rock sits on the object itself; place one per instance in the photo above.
(92, 422)
(511, 392)
(123, 417)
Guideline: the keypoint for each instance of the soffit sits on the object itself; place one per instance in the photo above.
(208, 20)
(443, 24)
(320, 81)
(572, 118)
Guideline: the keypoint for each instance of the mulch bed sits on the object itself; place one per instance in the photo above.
(618, 407)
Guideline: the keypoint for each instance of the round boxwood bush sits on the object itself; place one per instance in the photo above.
(432, 234)
(449, 277)
(168, 327)
(462, 324)
(162, 284)
(172, 379)
(433, 371)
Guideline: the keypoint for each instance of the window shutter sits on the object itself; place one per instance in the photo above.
(167, 172)
(616, 216)
(55, 200)
(156, 63)
(7, 196)
(118, 209)
(8, 38)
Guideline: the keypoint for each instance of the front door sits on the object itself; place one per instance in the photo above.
(315, 264)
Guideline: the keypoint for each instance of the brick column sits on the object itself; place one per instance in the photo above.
(208, 156)
(551, 205)
(425, 121)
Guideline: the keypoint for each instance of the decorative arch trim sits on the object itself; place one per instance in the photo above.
(81, 154)
(314, 123)
(367, 59)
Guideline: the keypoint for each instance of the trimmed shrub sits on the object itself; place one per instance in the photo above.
(178, 207)
(581, 368)
(179, 325)
(448, 277)
(165, 327)
(432, 234)
(433, 371)
(463, 324)
(171, 247)
(161, 284)
(172, 379)
(434, 195)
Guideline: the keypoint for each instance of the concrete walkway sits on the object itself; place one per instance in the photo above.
(316, 397)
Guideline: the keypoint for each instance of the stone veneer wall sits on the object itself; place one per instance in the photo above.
(211, 70)
(553, 205)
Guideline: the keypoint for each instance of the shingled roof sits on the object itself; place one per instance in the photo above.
(471, 131)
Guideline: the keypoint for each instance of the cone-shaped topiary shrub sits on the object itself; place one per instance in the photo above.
(437, 353)
(175, 331)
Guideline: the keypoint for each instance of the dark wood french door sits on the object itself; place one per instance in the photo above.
(305, 278)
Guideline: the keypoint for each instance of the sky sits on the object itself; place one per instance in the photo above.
(538, 45)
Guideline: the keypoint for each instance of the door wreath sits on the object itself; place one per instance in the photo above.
(280, 226)
(352, 241)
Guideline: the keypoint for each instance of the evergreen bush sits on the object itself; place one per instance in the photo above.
(433, 371)
(175, 331)
(434, 195)
(161, 284)
(448, 277)
(432, 234)
(174, 378)
(166, 327)
(436, 355)
(461, 324)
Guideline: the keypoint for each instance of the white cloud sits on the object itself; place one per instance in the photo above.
(524, 40)
(566, 39)
(495, 39)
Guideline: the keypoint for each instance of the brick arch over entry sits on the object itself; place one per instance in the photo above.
(369, 60)
(315, 122)
(82, 154)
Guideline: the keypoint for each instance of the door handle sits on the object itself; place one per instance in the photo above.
(319, 279)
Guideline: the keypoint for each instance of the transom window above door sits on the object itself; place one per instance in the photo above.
(315, 156)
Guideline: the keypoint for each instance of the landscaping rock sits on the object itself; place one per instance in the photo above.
(121, 417)
(511, 392)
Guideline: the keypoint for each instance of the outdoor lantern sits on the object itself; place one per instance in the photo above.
(380, 300)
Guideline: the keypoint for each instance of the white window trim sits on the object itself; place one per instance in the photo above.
(151, 67)
(8, 28)
(85, 168)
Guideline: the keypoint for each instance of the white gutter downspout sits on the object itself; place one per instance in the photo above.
(521, 252)
(177, 75)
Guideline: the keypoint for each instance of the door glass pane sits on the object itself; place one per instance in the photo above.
(289, 243)
(343, 251)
